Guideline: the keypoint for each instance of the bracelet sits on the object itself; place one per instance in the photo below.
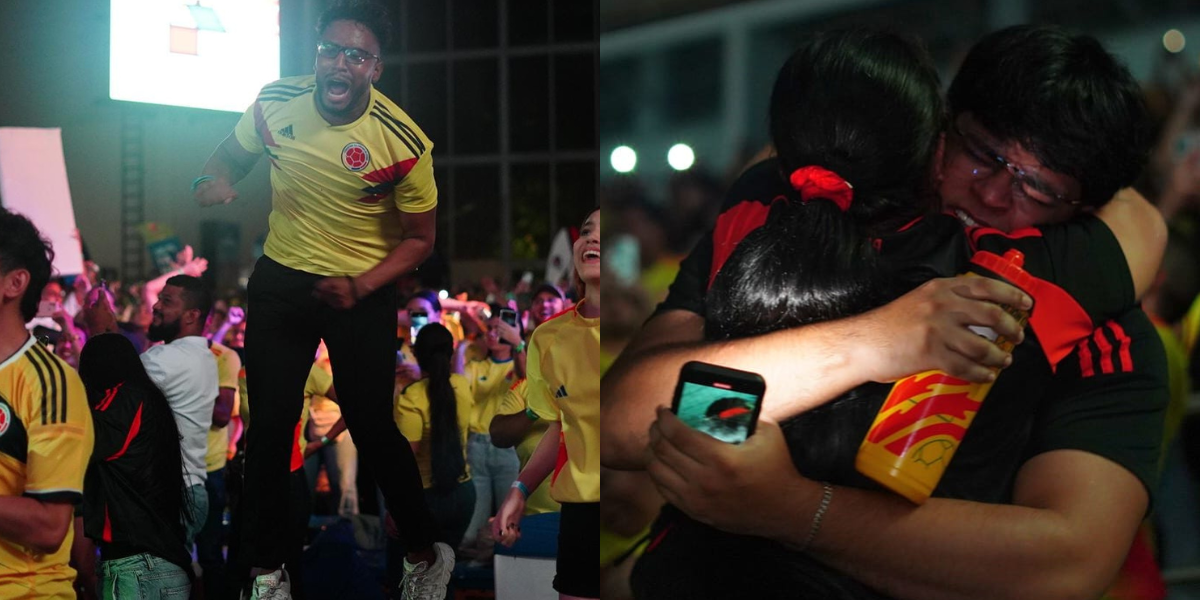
(519, 347)
(199, 180)
(517, 485)
(826, 498)
(353, 290)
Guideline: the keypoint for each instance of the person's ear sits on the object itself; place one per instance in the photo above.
(14, 284)
(377, 71)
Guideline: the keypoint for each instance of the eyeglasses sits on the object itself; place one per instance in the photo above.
(1026, 186)
(354, 56)
(418, 314)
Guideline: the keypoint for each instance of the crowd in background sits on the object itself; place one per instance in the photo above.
(480, 350)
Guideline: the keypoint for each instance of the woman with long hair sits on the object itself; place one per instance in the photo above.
(135, 498)
(563, 386)
(433, 413)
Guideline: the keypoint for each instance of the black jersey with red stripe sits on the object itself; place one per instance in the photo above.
(1082, 282)
(134, 484)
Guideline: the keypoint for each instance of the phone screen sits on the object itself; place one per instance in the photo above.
(46, 309)
(508, 316)
(723, 403)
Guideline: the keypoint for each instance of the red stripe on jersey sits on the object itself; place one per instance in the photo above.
(562, 458)
(109, 396)
(297, 454)
(133, 431)
(1085, 359)
(391, 174)
(107, 535)
(515, 384)
(1058, 320)
(733, 226)
(910, 224)
(659, 538)
(1105, 348)
(1124, 341)
(260, 125)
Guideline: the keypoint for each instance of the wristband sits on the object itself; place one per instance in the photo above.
(353, 290)
(519, 347)
(517, 485)
(199, 180)
(826, 498)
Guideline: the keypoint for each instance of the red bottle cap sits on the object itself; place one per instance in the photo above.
(1007, 266)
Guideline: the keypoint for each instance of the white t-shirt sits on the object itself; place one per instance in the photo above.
(187, 375)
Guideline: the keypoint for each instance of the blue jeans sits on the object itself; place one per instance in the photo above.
(198, 513)
(493, 470)
(210, 541)
(142, 577)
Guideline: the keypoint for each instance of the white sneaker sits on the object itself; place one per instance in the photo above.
(271, 586)
(428, 582)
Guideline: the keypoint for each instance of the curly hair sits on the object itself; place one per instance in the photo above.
(371, 14)
(23, 247)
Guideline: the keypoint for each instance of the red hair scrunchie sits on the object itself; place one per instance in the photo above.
(818, 182)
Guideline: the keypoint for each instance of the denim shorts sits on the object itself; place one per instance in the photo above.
(143, 577)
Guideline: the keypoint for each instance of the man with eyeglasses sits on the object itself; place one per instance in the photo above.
(1046, 125)
(353, 208)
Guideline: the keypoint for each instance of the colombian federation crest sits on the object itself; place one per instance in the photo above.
(5, 418)
(355, 156)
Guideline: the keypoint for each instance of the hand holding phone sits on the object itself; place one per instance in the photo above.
(719, 401)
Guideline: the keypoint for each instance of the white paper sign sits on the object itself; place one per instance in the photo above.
(33, 182)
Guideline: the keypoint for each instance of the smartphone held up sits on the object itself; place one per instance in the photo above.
(719, 401)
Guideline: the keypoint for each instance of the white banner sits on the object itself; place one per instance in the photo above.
(33, 182)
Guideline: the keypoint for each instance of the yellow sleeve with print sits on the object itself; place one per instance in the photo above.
(514, 403)
(229, 364)
(564, 385)
(46, 440)
(337, 192)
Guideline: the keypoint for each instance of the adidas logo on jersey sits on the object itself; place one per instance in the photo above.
(562, 392)
(286, 132)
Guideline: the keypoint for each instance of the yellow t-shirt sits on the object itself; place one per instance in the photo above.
(319, 381)
(46, 439)
(336, 191)
(1177, 380)
(513, 403)
(1190, 327)
(411, 412)
(489, 380)
(229, 364)
(564, 385)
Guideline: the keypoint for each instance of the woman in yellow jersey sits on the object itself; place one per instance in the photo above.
(564, 388)
(433, 413)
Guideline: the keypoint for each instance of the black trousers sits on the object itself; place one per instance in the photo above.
(285, 325)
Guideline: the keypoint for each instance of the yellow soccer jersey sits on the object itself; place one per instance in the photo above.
(46, 440)
(489, 380)
(514, 402)
(412, 416)
(1190, 327)
(564, 385)
(336, 191)
(229, 364)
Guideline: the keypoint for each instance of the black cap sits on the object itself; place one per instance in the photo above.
(550, 288)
